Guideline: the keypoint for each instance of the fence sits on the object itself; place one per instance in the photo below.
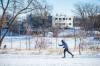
(74, 39)
(29, 42)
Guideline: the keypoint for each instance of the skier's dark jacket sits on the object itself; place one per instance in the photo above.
(64, 44)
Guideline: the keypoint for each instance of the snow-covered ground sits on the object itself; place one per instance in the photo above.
(20, 42)
(28, 58)
(47, 60)
(26, 42)
(15, 57)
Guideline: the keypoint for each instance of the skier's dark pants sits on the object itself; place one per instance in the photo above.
(67, 51)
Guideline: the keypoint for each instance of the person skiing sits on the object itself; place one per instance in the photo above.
(5, 46)
(65, 46)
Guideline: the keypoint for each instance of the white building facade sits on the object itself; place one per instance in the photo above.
(62, 21)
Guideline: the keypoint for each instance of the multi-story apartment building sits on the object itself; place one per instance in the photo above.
(62, 21)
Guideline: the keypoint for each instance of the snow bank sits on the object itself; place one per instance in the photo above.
(46, 60)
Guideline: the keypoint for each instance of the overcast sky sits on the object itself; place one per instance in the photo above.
(66, 6)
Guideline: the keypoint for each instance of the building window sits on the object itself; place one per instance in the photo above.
(56, 18)
(69, 23)
(63, 18)
(59, 18)
(69, 18)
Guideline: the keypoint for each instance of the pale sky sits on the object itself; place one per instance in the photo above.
(66, 6)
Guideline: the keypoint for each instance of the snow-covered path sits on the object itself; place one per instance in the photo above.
(46, 60)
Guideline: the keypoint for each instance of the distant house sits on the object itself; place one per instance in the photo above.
(62, 21)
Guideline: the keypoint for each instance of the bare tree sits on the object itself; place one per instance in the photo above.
(16, 8)
(87, 12)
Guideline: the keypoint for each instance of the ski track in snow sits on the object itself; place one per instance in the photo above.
(46, 60)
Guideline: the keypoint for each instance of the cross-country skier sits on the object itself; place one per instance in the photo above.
(65, 46)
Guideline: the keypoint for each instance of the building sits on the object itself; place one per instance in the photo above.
(62, 21)
(39, 21)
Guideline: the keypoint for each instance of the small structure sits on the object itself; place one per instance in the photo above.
(62, 21)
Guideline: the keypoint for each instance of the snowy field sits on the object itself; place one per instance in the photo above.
(47, 60)
(20, 42)
(28, 58)
(26, 42)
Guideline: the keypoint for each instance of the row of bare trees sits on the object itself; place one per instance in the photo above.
(88, 13)
(17, 8)
(88, 17)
